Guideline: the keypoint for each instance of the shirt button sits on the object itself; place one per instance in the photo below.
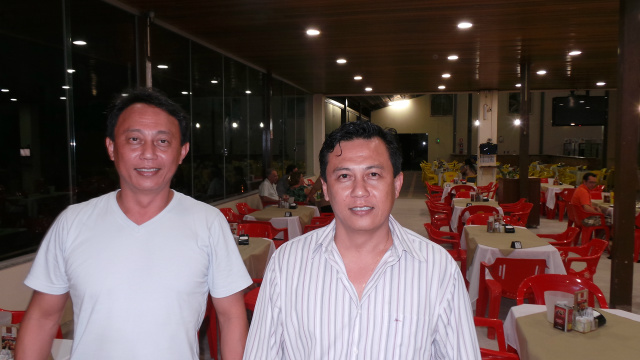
(355, 351)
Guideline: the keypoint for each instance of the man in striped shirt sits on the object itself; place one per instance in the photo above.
(362, 287)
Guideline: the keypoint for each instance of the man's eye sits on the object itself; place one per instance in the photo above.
(375, 174)
(342, 176)
(134, 139)
(163, 141)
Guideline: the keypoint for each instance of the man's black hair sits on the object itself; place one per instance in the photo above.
(586, 176)
(149, 96)
(361, 130)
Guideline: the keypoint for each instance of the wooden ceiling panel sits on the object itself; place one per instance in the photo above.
(402, 47)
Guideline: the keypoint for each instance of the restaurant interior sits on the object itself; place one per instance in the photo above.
(548, 82)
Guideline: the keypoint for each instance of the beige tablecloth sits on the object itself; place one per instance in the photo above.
(256, 255)
(617, 339)
(304, 212)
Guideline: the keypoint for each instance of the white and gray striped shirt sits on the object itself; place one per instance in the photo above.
(415, 306)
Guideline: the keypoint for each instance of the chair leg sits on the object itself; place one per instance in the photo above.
(561, 208)
(494, 311)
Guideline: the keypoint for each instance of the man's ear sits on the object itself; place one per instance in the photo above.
(109, 144)
(184, 151)
(397, 182)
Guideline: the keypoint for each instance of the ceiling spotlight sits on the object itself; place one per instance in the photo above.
(66, 87)
(446, 76)
(313, 32)
(247, 92)
(198, 125)
(601, 83)
(518, 85)
(401, 103)
(368, 89)
(261, 124)
(575, 52)
(234, 124)
(80, 42)
(185, 93)
(464, 25)
(341, 61)
(63, 98)
(163, 67)
(541, 72)
(70, 71)
(441, 87)
(477, 122)
(4, 90)
(13, 99)
(357, 77)
(516, 122)
(214, 81)
(452, 57)
(125, 94)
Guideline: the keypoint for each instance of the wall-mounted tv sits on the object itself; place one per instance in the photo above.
(580, 110)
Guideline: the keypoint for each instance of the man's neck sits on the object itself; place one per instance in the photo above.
(142, 207)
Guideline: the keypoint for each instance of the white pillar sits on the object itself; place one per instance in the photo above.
(488, 129)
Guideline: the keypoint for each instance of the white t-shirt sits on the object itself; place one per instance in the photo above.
(138, 291)
(268, 189)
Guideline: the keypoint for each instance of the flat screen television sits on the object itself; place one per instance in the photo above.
(580, 110)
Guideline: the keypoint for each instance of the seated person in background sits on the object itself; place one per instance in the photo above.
(469, 171)
(582, 198)
(283, 183)
(267, 188)
(297, 188)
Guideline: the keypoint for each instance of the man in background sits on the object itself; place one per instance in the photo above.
(267, 189)
(283, 183)
(362, 287)
(140, 262)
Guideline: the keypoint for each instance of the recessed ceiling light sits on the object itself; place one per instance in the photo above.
(601, 83)
(516, 122)
(80, 42)
(464, 25)
(573, 124)
(541, 72)
(477, 122)
(452, 57)
(125, 94)
(63, 98)
(341, 61)
(247, 92)
(313, 32)
(185, 93)
(163, 67)
(13, 99)
(198, 125)
(441, 87)
(368, 89)
(261, 124)
(575, 52)
(518, 85)
(446, 76)
(70, 71)
(4, 90)
(357, 77)
(214, 81)
(66, 86)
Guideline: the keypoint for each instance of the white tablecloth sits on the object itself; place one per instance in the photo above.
(551, 191)
(528, 309)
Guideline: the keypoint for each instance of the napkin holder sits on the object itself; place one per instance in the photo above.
(516, 244)
(287, 214)
(509, 229)
(293, 206)
(243, 239)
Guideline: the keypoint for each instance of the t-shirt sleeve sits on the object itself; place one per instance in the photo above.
(227, 272)
(48, 272)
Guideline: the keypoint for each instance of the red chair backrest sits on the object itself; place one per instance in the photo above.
(544, 180)
(538, 284)
(442, 237)
(475, 209)
(308, 228)
(479, 219)
(462, 187)
(321, 220)
(231, 215)
(463, 195)
(244, 209)
(510, 272)
(261, 229)
(566, 194)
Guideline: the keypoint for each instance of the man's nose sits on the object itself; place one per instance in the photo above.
(360, 188)
(148, 151)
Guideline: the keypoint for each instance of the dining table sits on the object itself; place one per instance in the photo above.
(527, 330)
(447, 189)
(295, 223)
(459, 204)
(607, 208)
(485, 246)
(550, 192)
(256, 255)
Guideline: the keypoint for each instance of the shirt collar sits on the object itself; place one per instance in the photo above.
(401, 243)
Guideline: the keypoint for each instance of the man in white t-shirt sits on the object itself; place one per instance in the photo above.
(140, 262)
(267, 190)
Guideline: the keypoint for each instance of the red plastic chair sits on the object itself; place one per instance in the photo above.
(534, 287)
(507, 274)
(586, 232)
(475, 209)
(244, 209)
(562, 199)
(453, 239)
(462, 187)
(264, 229)
(16, 318)
(251, 297)
(485, 190)
(494, 189)
(521, 216)
(212, 329)
(439, 216)
(508, 208)
(463, 195)
(495, 326)
(331, 215)
(479, 219)
(636, 249)
(566, 238)
(589, 254)
(309, 228)
(321, 220)
(231, 216)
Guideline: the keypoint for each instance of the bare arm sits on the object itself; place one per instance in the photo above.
(40, 325)
(591, 209)
(232, 317)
